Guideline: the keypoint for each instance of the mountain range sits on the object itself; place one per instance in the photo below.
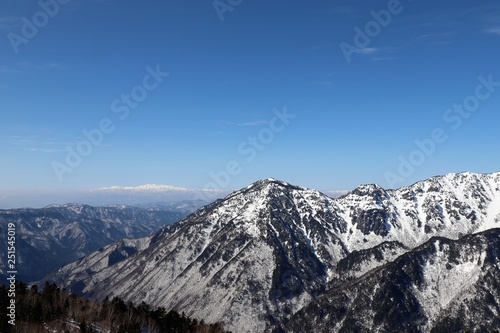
(59, 234)
(274, 257)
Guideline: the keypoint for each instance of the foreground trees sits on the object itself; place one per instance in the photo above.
(58, 310)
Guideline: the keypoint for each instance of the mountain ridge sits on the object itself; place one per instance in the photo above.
(404, 295)
(256, 257)
(59, 234)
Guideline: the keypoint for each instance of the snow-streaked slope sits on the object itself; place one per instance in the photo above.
(441, 286)
(452, 205)
(92, 265)
(248, 260)
(256, 257)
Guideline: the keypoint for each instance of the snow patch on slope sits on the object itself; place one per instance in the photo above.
(446, 282)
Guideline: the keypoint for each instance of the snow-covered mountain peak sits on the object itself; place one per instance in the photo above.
(452, 180)
(264, 251)
(268, 182)
(54, 206)
(374, 191)
(264, 191)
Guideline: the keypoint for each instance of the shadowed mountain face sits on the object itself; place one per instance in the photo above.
(442, 286)
(56, 235)
(260, 254)
(257, 257)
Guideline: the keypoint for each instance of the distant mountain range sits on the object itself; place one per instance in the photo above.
(59, 234)
(274, 257)
(128, 195)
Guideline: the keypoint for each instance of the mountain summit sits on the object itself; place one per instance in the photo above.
(256, 257)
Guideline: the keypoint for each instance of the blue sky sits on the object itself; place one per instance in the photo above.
(273, 71)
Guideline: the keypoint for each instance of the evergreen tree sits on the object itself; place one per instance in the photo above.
(83, 327)
(50, 309)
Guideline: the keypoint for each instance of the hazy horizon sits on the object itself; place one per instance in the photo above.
(135, 195)
(132, 195)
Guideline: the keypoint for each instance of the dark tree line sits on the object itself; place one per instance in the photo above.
(55, 309)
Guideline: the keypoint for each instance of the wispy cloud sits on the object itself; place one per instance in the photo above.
(28, 138)
(43, 150)
(25, 67)
(40, 67)
(324, 83)
(369, 50)
(22, 140)
(386, 53)
(254, 123)
(494, 30)
(10, 70)
(9, 22)
(37, 144)
(385, 58)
